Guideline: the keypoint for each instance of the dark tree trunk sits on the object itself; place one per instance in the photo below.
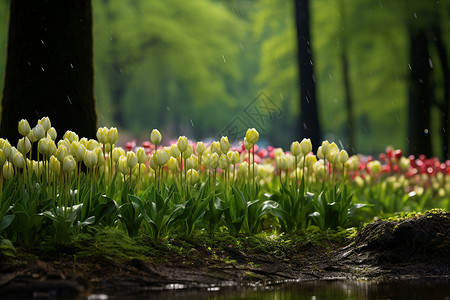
(309, 125)
(445, 104)
(49, 67)
(421, 95)
(347, 85)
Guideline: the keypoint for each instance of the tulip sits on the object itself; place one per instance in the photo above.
(117, 153)
(45, 122)
(296, 150)
(8, 171)
(55, 165)
(174, 151)
(102, 135)
(200, 148)
(24, 145)
(233, 157)
(70, 136)
(38, 131)
(192, 176)
(182, 143)
(2, 157)
(223, 162)
(69, 164)
(343, 156)
(113, 135)
(155, 137)
(141, 155)
(161, 157)
(18, 160)
(252, 136)
(92, 144)
(215, 148)
(214, 161)
(189, 151)
(224, 144)
(152, 162)
(123, 165)
(80, 151)
(24, 127)
(52, 133)
(281, 162)
(306, 146)
(192, 162)
(172, 164)
(90, 158)
(132, 159)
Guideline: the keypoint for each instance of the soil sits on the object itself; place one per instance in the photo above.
(416, 247)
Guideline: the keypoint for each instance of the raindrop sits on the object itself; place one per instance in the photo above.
(192, 123)
(398, 119)
(224, 60)
(29, 63)
(121, 71)
(426, 131)
(430, 62)
(68, 98)
(415, 15)
(42, 42)
(409, 65)
(42, 68)
(168, 108)
(71, 66)
(304, 125)
(281, 96)
(340, 144)
(311, 62)
(330, 76)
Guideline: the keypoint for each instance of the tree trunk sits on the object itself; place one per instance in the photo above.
(445, 104)
(49, 67)
(421, 95)
(347, 85)
(309, 125)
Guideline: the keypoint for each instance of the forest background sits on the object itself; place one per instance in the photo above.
(198, 69)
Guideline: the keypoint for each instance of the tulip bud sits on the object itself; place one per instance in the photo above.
(31, 137)
(192, 162)
(247, 144)
(189, 151)
(52, 133)
(296, 150)
(172, 164)
(46, 124)
(132, 159)
(69, 164)
(92, 144)
(8, 171)
(18, 160)
(161, 157)
(281, 162)
(24, 127)
(215, 148)
(252, 136)
(223, 162)
(214, 160)
(155, 137)
(113, 135)
(152, 162)
(43, 146)
(405, 163)
(374, 166)
(343, 156)
(123, 165)
(51, 146)
(90, 158)
(141, 155)
(182, 143)
(243, 169)
(233, 157)
(174, 151)
(100, 157)
(102, 135)
(117, 153)
(38, 132)
(200, 148)
(80, 151)
(306, 146)
(224, 144)
(70, 136)
(24, 145)
(310, 160)
(55, 165)
(325, 149)
(192, 176)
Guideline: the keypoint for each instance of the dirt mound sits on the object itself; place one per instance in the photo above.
(423, 238)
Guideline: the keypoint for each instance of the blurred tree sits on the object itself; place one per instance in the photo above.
(162, 64)
(309, 125)
(49, 69)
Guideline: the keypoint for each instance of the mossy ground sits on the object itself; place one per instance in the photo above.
(109, 261)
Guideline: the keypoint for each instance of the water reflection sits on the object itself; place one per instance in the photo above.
(313, 290)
